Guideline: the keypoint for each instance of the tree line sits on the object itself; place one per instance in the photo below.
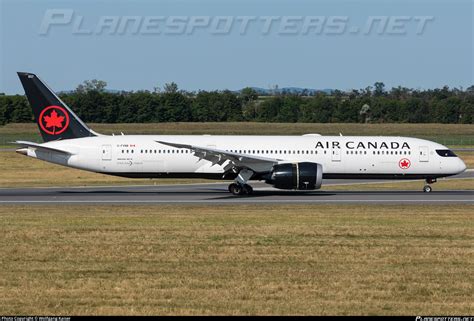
(92, 103)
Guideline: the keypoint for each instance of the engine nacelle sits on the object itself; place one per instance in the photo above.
(298, 176)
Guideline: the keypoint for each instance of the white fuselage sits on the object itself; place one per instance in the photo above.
(340, 156)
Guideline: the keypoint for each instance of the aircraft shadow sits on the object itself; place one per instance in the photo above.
(257, 193)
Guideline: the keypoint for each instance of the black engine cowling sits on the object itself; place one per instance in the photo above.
(298, 176)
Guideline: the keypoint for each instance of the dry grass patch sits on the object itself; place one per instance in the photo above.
(441, 185)
(318, 259)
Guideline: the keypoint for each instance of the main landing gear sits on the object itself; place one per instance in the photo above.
(427, 188)
(237, 189)
(240, 186)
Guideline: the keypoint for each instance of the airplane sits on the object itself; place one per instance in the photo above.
(284, 162)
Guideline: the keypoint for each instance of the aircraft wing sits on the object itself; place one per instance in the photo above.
(219, 156)
(41, 147)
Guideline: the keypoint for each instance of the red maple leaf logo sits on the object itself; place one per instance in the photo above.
(53, 120)
(56, 122)
(404, 163)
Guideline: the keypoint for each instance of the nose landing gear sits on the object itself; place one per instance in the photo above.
(427, 188)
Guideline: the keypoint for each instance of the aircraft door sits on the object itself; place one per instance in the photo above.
(106, 152)
(424, 154)
(336, 154)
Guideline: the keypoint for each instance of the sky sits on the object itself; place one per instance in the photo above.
(338, 44)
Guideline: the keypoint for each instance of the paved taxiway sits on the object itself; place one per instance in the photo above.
(217, 193)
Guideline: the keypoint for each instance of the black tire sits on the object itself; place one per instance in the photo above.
(427, 189)
(235, 189)
(247, 189)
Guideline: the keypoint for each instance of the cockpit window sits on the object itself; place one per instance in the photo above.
(445, 153)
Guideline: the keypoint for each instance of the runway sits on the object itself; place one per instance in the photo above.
(216, 193)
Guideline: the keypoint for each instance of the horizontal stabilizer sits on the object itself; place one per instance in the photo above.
(41, 147)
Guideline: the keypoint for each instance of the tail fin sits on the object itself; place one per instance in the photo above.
(54, 118)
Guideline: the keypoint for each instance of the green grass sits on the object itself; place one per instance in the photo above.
(214, 260)
(448, 134)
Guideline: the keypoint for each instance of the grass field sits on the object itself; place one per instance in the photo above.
(448, 134)
(322, 259)
(22, 171)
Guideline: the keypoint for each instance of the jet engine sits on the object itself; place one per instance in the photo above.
(297, 176)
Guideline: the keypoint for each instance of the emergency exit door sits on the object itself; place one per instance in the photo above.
(336, 154)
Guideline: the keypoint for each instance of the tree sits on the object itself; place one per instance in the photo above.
(174, 107)
(248, 95)
(91, 85)
(318, 109)
(269, 109)
(365, 113)
(170, 88)
(379, 89)
(470, 90)
(21, 110)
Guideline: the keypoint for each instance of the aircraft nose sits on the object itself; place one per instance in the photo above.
(462, 166)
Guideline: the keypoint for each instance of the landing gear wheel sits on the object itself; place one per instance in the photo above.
(235, 189)
(427, 189)
(247, 189)
(238, 189)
